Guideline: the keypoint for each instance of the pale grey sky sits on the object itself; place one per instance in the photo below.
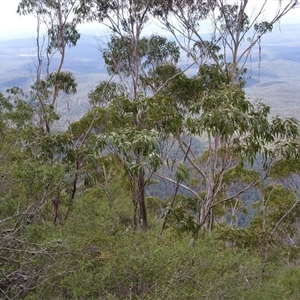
(14, 26)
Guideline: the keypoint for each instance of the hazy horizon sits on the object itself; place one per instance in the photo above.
(14, 26)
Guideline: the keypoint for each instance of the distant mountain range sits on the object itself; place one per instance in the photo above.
(274, 72)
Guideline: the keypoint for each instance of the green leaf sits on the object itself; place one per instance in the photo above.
(182, 173)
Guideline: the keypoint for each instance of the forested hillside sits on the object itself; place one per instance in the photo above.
(173, 183)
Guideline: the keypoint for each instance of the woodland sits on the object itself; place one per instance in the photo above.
(171, 186)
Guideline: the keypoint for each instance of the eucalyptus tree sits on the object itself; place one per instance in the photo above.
(122, 129)
(130, 58)
(219, 110)
(129, 54)
(237, 27)
(153, 52)
(210, 112)
(237, 131)
(126, 20)
(56, 30)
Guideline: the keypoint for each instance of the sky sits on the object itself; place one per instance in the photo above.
(14, 26)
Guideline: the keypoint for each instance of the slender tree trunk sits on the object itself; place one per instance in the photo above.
(205, 215)
(142, 202)
(134, 198)
(138, 199)
(57, 213)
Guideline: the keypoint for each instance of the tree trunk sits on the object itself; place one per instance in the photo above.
(142, 202)
(57, 214)
(205, 215)
(138, 200)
